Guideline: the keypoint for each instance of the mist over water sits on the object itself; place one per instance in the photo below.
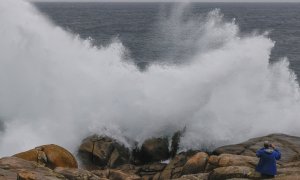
(58, 88)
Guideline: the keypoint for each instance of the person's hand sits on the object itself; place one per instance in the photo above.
(272, 146)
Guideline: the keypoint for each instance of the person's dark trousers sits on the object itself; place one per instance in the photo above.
(267, 176)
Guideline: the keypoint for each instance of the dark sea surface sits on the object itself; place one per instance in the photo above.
(136, 24)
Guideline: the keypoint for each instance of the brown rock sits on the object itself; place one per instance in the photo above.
(200, 176)
(58, 157)
(196, 164)
(27, 175)
(76, 174)
(6, 174)
(233, 160)
(129, 168)
(101, 173)
(120, 175)
(233, 172)
(119, 156)
(17, 168)
(288, 145)
(289, 171)
(103, 151)
(213, 162)
(35, 155)
(156, 176)
(51, 156)
(291, 164)
(288, 177)
(150, 170)
(174, 168)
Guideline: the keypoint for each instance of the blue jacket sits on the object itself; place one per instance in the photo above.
(267, 161)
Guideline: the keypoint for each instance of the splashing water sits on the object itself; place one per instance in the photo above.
(57, 88)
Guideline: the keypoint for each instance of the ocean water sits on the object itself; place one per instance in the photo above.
(137, 26)
(136, 71)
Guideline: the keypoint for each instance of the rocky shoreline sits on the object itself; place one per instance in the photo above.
(103, 158)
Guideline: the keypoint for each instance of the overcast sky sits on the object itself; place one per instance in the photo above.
(282, 1)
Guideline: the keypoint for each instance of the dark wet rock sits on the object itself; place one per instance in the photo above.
(155, 149)
(175, 143)
(51, 156)
(103, 151)
(288, 145)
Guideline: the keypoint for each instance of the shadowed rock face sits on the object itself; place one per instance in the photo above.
(103, 151)
(155, 149)
(152, 150)
(288, 145)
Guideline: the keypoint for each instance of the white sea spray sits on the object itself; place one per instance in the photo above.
(58, 88)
